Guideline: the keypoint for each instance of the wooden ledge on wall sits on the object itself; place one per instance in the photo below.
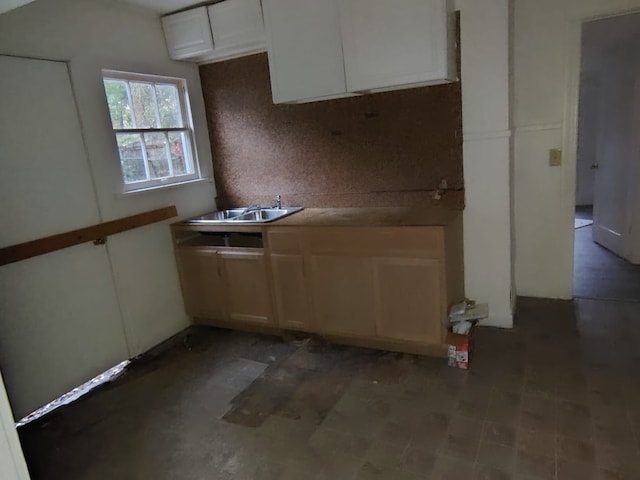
(95, 233)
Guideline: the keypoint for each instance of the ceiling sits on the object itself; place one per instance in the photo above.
(159, 6)
(6, 5)
(165, 6)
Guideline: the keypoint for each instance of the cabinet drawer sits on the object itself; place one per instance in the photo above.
(427, 241)
(285, 240)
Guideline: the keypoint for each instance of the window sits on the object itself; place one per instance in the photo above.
(153, 129)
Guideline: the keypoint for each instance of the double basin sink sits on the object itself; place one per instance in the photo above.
(246, 215)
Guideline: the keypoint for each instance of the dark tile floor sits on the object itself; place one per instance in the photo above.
(598, 273)
(558, 397)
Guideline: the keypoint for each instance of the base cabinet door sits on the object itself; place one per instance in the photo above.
(202, 286)
(409, 299)
(246, 287)
(290, 291)
(342, 295)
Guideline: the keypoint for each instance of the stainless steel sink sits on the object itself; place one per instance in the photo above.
(246, 215)
(265, 215)
(219, 216)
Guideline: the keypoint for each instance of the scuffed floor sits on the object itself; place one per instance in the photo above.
(556, 398)
(599, 273)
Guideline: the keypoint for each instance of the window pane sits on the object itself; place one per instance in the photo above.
(179, 151)
(131, 157)
(168, 106)
(157, 155)
(144, 105)
(118, 101)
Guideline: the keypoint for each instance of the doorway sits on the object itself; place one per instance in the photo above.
(606, 265)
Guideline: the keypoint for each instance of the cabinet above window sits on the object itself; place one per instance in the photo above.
(221, 31)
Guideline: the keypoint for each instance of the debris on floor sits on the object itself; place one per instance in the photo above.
(76, 393)
(463, 318)
(556, 397)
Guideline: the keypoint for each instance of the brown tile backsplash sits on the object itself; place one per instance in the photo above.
(385, 149)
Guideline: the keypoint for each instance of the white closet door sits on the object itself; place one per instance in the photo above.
(60, 322)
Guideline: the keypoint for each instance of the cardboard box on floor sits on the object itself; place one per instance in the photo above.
(461, 344)
(461, 348)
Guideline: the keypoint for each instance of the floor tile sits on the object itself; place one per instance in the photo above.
(499, 434)
(535, 466)
(555, 398)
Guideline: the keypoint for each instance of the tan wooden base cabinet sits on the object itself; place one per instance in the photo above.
(384, 287)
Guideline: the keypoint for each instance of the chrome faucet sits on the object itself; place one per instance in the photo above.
(278, 202)
(251, 208)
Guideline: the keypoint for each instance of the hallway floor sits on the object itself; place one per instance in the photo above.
(598, 273)
(558, 397)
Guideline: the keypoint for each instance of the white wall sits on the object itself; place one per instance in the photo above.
(487, 170)
(97, 34)
(546, 78)
(12, 464)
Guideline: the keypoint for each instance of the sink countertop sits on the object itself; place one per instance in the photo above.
(369, 217)
(350, 217)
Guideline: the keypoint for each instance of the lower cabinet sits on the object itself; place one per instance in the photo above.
(246, 286)
(408, 299)
(390, 286)
(343, 295)
(290, 291)
(225, 285)
(202, 285)
(386, 287)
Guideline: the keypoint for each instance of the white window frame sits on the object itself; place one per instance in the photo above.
(187, 122)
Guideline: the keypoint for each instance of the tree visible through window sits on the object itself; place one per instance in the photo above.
(152, 129)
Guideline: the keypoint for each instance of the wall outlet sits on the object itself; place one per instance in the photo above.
(555, 157)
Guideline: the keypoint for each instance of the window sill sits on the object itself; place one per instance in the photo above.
(171, 186)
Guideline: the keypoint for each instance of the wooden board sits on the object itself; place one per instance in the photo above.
(99, 232)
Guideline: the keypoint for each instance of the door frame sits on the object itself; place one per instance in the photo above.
(631, 249)
(573, 42)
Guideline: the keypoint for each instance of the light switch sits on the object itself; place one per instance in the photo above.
(555, 157)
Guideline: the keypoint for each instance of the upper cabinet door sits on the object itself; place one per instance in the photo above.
(305, 50)
(394, 44)
(188, 34)
(237, 26)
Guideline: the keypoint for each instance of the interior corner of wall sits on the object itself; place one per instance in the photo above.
(500, 320)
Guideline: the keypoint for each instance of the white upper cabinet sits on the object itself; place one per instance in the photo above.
(322, 49)
(216, 32)
(188, 34)
(305, 50)
(237, 27)
(394, 44)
